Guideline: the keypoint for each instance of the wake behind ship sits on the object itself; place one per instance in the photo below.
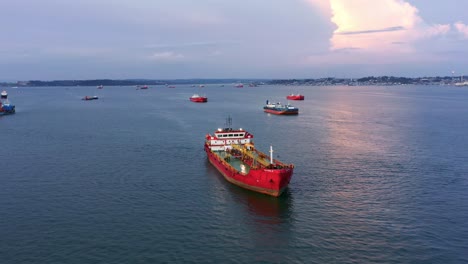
(233, 154)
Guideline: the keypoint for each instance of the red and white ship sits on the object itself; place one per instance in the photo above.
(233, 154)
(295, 97)
(198, 98)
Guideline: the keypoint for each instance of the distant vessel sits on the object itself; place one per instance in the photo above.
(87, 98)
(100, 87)
(239, 85)
(295, 97)
(280, 109)
(461, 82)
(465, 83)
(232, 153)
(171, 86)
(198, 98)
(144, 87)
(6, 108)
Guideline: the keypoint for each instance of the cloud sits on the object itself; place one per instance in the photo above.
(438, 30)
(380, 27)
(462, 29)
(191, 44)
(370, 31)
(373, 25)
(166, 56)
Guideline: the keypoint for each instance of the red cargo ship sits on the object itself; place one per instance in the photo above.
(198, 98)
(295, 97)
(232, 153)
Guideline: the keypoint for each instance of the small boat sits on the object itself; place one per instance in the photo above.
(239, 85)
(144, 87)
(88, 98)
(295, 97)
(4, 95)
(465, 83)
(280, 109)
(6, 108)
(196, 98)
(171, 86)
(461, 82)
(233, 154)
(100, 87)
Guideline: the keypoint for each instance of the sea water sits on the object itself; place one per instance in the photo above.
(381, 175)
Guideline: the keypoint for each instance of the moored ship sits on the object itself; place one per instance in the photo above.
(88, 98)
(280, 109)
(6, 107)
(198, 98)
(233, 154)
(295, 97)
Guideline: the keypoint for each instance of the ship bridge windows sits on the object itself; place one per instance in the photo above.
(238, 135)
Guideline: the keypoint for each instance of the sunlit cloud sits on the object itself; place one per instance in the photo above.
(370, 31)
(384, 29)
(438, 30)
(462, 29)
(379, 24)
(373, 25)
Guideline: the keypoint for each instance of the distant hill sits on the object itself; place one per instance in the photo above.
(128, 82)
(371, 80)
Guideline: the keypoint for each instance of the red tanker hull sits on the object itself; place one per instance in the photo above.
(263, 180)
(295, 97)
(278, 112)
(199, 99)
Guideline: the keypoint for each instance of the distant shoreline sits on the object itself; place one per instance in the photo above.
(381, 80)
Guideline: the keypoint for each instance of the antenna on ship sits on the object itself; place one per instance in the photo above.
(271, 154)
(228, 123)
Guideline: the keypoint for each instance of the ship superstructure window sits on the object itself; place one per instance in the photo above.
(230, 135)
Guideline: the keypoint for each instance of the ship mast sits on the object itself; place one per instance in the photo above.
(271, 154)
(228, 124)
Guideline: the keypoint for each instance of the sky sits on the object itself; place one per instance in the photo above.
(273, 39)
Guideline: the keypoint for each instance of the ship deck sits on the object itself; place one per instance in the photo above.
(233, 161)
